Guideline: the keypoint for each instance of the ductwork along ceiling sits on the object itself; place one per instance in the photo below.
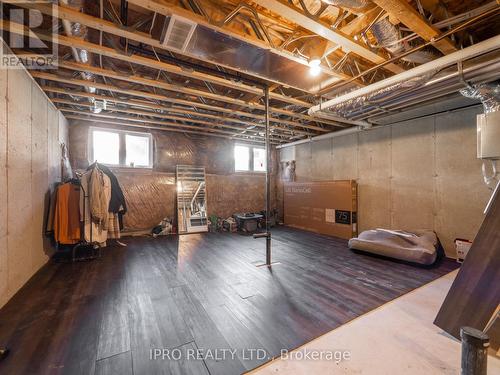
(201, 65)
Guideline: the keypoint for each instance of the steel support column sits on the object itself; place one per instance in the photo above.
(267, 233)
(268, 179)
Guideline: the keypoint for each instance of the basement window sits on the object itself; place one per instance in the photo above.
(249, 158)
(120, 148)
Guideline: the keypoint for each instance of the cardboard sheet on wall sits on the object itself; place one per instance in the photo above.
(326, 207)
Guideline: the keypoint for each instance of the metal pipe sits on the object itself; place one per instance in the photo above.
(268, 179)
(237, 10)
(461, 55)
(436, 87)
(267, 233)
(354, 129)
(77, 55)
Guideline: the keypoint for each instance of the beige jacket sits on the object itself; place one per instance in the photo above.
(95, 231)
(99, 197)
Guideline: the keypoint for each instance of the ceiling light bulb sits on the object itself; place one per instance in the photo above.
(314, 67)
(314, 62)
(314, 71)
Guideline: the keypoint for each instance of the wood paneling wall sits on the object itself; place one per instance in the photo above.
(31, 130)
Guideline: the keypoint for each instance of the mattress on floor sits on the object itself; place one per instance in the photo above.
(419, 246)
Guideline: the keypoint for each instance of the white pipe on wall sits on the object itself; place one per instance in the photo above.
(354, 129)
(461, 55)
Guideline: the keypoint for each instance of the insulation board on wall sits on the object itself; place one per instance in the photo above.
(326, 207)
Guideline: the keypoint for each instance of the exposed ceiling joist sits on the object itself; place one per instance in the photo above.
(285, 10)
(223, 112)
(404, 12)
(160, 84)
(101, 86)
(147, 62)
(361, 22)
(166, 9)
(172, 113)
(163, 128)
(210, 127)
(72, 15)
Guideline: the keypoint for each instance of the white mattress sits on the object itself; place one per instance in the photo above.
(419, 246)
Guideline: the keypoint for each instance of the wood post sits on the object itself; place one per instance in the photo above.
(475, 345)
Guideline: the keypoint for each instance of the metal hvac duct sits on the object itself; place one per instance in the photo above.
(419, 89)
(78, 30)
(207, 44)
(429, 68)
(488, 93)
(389, 37)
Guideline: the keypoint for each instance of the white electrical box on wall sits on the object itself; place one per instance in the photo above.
(488, 135)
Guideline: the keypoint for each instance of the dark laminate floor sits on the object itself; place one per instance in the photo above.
(194, 292)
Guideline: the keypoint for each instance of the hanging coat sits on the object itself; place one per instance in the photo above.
(96, 195)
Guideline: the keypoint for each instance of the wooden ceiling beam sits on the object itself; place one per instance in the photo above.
(109, 52)
(69, 41)
(166, 9)
(405, 13)
(129, 119)
(224, 113)
(211, 127)
(361, 22)
(163, 85)
(173, 118)
(72, 15)
(290, 12)
(162, 128)
(101, 86)
(168, 116)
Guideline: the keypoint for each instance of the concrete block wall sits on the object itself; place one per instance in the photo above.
(420, 173)
(31, 130)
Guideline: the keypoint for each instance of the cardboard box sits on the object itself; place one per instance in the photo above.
(462, 247)
(326, 207)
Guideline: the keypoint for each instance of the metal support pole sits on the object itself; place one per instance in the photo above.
(475, 345)
(268, 179)
(267, 233)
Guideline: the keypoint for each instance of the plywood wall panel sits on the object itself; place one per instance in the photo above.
(412, 188)
(25, 177)
(3, 186)
(39, 176)
(462, 194)
(19, 204)
(54, 154)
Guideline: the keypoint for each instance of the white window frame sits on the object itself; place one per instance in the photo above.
(122, 146)
(250, 159)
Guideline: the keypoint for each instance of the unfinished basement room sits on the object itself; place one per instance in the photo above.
(224, 187)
